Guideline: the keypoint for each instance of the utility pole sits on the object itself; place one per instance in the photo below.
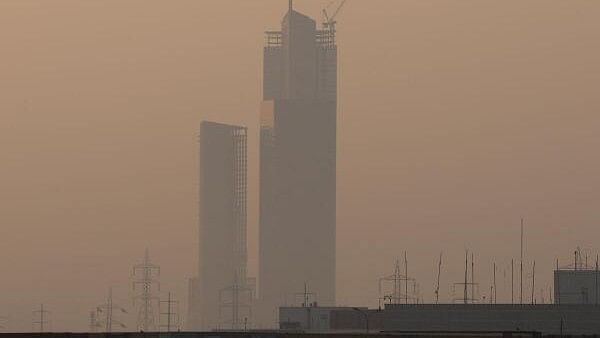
(512, 281)
(596, 280)
(533, 285)
(406, 283)
(41, 318)
(473, 278)
(495, 287)
(238, 297)
(521, 293)
(465, 284)
(466, 277)
(557, 287)
(108, 310)
(171, 314)
(145, 275)
(437, 287)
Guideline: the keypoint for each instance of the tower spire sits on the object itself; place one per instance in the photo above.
(291, 5)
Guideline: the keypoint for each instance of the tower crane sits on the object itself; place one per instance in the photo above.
(330, 20)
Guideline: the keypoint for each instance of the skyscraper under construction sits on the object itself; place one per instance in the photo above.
(221, 295)
(298, 163)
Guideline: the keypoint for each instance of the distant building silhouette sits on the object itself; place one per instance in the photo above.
(220, 297)
(298, 164)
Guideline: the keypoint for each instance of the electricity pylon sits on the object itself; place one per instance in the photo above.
(145, 277)
(107, 310)
(41, 318)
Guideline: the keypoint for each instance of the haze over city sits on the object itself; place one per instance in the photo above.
(455, 120)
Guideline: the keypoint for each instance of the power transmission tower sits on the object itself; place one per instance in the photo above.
(93, 321)
(107, 310)
(171, 315)
(145, 276)
(397, 280)
(40, 318)
(237, 297)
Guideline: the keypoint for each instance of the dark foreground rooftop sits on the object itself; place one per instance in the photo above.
(273, 334)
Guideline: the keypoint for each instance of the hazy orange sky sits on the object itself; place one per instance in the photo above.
(456, 118)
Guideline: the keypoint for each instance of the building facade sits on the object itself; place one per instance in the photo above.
(220, 296)
(544, 318)
(576, 286)
(297, 222)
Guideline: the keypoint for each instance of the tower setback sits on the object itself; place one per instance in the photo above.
(297, 222)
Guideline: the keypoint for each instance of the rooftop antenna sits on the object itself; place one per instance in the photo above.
(437, 287)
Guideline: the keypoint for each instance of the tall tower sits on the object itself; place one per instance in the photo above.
(145, 279)
(298, 164)
(223, 252)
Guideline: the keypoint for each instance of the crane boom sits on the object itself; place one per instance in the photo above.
(330, 20)
(338, 9)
